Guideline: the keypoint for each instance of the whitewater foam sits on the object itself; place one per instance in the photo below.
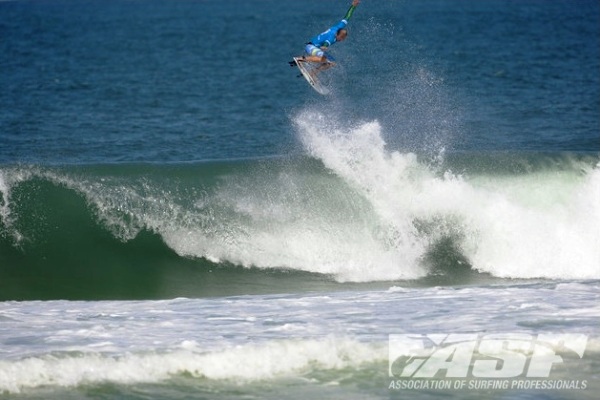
(497, 232)
(242, 363)
(7, 182)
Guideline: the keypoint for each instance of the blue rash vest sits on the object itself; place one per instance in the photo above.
(327, 38)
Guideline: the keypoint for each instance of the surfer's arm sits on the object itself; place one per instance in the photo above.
(351, 10)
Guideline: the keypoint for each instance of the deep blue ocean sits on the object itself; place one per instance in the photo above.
(183, 217)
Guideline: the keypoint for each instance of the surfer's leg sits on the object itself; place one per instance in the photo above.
(314, 54)
(325, 66)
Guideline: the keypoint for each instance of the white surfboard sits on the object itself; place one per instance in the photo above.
(306, 68)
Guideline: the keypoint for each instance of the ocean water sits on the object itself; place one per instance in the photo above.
(181, 217)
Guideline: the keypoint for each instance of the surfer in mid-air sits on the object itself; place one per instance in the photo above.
(315, 50)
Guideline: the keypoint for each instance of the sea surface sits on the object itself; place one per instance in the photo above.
(182, 217)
